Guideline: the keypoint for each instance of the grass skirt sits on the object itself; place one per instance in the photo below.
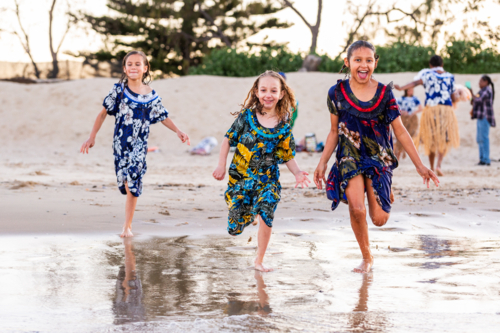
(411, 124)
(438, 129)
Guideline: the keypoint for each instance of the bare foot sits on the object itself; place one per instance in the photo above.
(365, 266)
(392, 196)
(439, 172)
(262, 268)
(127, 232)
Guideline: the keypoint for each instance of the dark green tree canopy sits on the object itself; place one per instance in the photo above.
(176, 34)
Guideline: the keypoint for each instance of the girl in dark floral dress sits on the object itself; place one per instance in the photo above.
(361, 113)
(135, 107)
(263, 139)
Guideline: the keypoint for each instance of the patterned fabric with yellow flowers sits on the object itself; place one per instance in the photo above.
(254, 186)
(365, 141)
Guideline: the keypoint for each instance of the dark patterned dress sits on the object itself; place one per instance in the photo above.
(254, 186)
(134, 114)
(365, 141)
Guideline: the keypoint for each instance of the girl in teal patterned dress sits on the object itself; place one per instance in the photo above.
(360, 131)
(263, 139)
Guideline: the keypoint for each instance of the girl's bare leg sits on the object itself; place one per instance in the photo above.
(263, 237)
(438, 166)
(129, 213)
(431, 160)
(355, 193)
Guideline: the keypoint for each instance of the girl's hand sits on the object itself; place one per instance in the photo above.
(87, 145)
(219, 172)
(427, 174)
(184, 137)
(319, 175)
(301, 179)
(404, 113)
(397, 87)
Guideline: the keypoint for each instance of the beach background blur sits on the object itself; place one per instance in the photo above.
(437, 259)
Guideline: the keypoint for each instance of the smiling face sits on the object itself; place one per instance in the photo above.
(362, 63)
(135, 67)
(269, 93)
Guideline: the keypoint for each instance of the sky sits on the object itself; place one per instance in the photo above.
(34, 16)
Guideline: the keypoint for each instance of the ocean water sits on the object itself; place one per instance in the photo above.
(88, 283)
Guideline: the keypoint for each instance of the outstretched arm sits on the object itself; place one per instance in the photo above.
(407, 142)
(171, 126)
(220, 171)
(409, 85)
(331, 143)
(300, 176)
(90, 142)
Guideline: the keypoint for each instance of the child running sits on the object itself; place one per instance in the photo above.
(409, 106)
(263, 139)
(135, 106)
(361, 112)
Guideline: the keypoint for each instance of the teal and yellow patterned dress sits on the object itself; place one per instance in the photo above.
(254, 186)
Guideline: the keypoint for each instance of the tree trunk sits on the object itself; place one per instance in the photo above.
(55, 65)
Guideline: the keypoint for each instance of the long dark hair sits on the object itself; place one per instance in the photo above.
(357, 45)
(490, 83)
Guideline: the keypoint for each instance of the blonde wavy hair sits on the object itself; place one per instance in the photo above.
(285, 106)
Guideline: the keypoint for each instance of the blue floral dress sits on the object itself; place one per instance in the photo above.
(365, 142)
(408, 104)
(254, 186)
(134, 114)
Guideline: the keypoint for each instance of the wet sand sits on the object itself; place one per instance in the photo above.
(437, 264)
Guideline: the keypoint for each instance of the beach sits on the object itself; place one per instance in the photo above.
(65, 269)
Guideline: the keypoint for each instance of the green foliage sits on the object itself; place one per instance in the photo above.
(469, 57)
(460, 57)
(229, 62)
(402, 57)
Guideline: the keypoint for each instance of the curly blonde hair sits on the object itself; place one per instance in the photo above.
(285, 106)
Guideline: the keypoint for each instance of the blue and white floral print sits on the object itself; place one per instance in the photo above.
(408, 104)
(134, 114)
(438, 87)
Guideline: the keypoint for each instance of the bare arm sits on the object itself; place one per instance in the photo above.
(409, 85)
(220, 171)
(90, 142)
(171, 126)
(331, 143)
(407, 143)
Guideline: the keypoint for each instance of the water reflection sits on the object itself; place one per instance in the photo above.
(261, 307)
(360, 319)
(436, 248)
(128, 305)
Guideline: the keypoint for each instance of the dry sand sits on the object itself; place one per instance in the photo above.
(437, 258)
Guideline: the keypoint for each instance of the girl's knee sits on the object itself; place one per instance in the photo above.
(357, 212)
(380, 219)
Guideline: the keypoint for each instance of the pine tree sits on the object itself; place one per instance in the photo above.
(176, 34)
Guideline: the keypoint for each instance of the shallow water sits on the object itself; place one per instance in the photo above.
(79, 283)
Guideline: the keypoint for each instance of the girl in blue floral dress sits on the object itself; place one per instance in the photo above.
(361, 113)
(135, 106)
(263, 139)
